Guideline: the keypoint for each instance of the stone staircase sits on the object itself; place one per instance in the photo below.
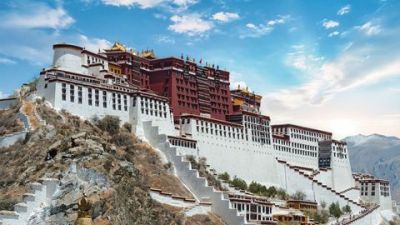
(191, 178)
(360, 219)
(338, 195)
(40, 197)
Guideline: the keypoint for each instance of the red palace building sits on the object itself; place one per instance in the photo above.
(190, 87)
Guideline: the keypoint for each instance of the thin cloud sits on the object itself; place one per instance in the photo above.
(344, 10)
(38, 16)
(190, 24)
(369, 28)
(144, 4)
(164, 39)
(328, 24)
(253, 30)
(94, 44)
(358, 66)
(334, 33)
(225, 16)
(6, 61)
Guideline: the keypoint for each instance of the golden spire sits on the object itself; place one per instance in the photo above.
(84, 212)
(118, 47)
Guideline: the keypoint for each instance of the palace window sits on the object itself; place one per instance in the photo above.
(125, 103)
(80, 95)
(72, 92)
(113, 102)
(90, 101)
(119, 101)
(96, 97)
(104, 99)
(64, 92)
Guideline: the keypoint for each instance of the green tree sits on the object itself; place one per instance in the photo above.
(224, 176)
(271, 191)
(334, 210)
(281, 193)
(239, 183)
(346, 209)
(323, 204)
(298, 195)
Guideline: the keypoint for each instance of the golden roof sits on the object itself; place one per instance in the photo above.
(148, 54)
(118, 47)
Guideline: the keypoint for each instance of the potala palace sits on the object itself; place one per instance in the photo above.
(183, 107)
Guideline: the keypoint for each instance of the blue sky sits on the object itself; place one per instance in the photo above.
(332, 65)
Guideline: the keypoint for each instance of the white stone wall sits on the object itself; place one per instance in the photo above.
(325, 177)
(69, 59)
(88, 111)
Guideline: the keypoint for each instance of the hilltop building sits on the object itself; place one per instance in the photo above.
(192, 106)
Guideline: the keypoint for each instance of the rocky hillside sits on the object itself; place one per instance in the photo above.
(101, 160)
(378, 155)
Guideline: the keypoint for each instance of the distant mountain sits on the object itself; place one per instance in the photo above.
(378, 155)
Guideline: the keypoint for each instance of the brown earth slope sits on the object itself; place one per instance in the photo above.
(115, 171)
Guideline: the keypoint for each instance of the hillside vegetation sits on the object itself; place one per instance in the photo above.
(106, 162)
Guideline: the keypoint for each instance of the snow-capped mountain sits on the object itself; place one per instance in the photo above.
(377, 154)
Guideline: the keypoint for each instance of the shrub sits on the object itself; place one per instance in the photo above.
(346, 209)
(224, 176)
(281, 193)
(298, 195)
(108, 123)
(323, 204)
(239, 183)
(7, 204)
(334, 210)
(123, 139)
(257, 188)
(127, 126)
(321, 217)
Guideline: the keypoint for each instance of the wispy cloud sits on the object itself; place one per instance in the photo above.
(93, 44)
(144, 4)
(190, 24)
(164, 39)
(225, 16)
(334, 33)
(328, 24)
(6, 61)
(37, 15)
(171, 5)
(263, 29)
(360, 65)
(370, 28)
(184, 3)
(303, 59)
(344, 10)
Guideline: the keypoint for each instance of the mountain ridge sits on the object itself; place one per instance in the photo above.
(378, 155)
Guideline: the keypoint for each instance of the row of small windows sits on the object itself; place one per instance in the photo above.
(119, 102)
(91, 59)
(304, 137)
(152, 107)
(253, 211)
(183, 143)
(221, 132)
(384, 190)
(295, 150)
(304, 146)
(340, 155)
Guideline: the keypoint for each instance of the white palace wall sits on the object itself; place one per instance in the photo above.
(341, 174)
(325, 177)
(127, 108)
